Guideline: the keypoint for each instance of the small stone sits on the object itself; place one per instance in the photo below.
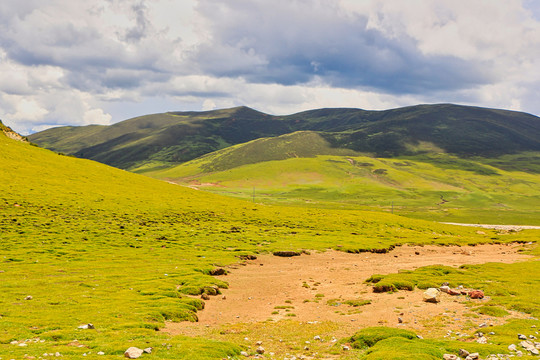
(258, 343)
(445, 288)
(522, 337)
(454, 292)
(473, 356)
(29, 297)
(205, 296)
(420, 337)
(476, 294)
(306, 348)
(431, 295)
(450, 357)
(512, 347)
(463, 353)
(101, 353)
(244, 353)
(23, 344)
(148, 350)
(483, 325)
(223, 297)
(133, 353)
(400, 320)
(482, 340)
(57, 354)
(260, 350)
(317, 337)
(345, 348)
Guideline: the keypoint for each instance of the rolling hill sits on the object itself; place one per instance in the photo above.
(303, 169)
(82, 242)
(164, 140)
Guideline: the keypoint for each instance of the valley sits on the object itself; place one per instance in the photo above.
(143, 260)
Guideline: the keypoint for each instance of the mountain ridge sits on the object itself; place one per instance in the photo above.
(172, 138)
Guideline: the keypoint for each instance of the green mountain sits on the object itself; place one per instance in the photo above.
(163, 140)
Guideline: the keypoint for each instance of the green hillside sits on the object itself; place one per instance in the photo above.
(164, 140)
(81, 242)
(304, 169)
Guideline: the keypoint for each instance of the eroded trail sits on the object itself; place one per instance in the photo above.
(299, 287)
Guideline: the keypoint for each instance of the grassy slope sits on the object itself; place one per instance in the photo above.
(303, 167)
(88, 248)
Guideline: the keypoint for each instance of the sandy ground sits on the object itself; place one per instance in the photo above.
(256, 289)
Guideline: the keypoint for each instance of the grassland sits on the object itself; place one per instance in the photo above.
(303, 169)
(94, 244)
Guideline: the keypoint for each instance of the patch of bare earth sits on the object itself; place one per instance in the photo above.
(274, 288)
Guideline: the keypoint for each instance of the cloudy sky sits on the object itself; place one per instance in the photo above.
(81, 62)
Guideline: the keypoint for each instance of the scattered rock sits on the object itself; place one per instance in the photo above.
(482, 340)
(445, 288)
(512, 347)
(463, 353)
(86, 326)
(529, 346)
(473, 356)
(218, 272)
(287, 253)
(260, 350)
(431, 295)
(317, 337)
(100, 353)
(400, 320)
(205, 296)
(148, 350)
(259, 343)
(450, 357)
(223, 297)
(454, 292)
(244, 353)
(482, 325)
(247, 257)
(476, 294)
(345, 348)
(522, 337)
(133, 353)
(29, 297)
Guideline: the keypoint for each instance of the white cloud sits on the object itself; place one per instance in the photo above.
(96, 116)
(26, 109)
(78, 62)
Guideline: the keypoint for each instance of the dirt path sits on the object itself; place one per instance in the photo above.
(274, 287)
(498, 227)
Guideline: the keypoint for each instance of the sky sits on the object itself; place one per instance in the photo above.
(80, 62)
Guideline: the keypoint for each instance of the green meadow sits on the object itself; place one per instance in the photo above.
(81, 242)
(302, 169)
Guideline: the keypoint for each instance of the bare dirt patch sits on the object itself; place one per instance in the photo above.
(298, 288)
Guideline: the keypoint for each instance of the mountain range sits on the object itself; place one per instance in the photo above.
(171, 138)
